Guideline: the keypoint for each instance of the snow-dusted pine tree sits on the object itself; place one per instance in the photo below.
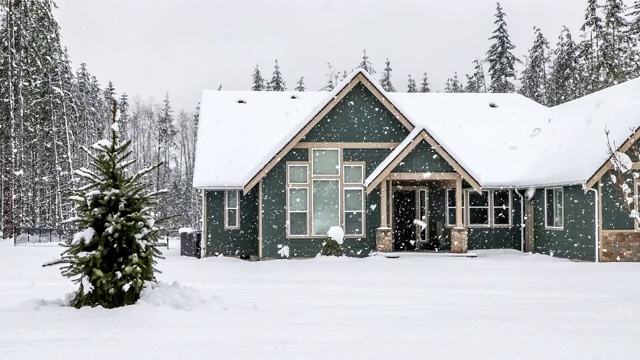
(114, 254)
(411, 85)
(329, 86)
(476, 82)
(500, 57)
(616, 51)
(365, 64)
(453, 84)
(634, 23)
(300, 85)
(277, 82)
(385, 81)
(564, 80)
(589, 53)
(535, 75)
(258, 80)
(424, 86)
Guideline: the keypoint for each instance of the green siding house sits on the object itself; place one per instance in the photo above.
(412, 172)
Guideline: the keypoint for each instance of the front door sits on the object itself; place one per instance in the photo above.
(404, 212)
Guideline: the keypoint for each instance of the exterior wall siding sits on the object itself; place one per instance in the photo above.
(614, 213)
(358, 117)
(423, 158)
(240, 243)
(577, 239)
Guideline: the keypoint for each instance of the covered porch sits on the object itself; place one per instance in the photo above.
(422, 212)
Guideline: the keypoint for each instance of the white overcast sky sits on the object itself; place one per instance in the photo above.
(149, 47)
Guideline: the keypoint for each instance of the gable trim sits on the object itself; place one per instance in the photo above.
(607, 164)
(360, 78)
(422, 135)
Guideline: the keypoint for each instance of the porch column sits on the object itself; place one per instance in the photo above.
(384, 238)
(459, 234)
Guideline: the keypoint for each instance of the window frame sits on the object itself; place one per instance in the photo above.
(289, 212)
(344, 173)
(363, 211)
(227, 208)
(546, 208)
(288, 187)
(291, 164)
(447, 208)
(340, 207)
(313, 175)
(468, 208)
(509, 207)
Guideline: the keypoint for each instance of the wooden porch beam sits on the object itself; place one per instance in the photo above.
(459, 222)
(383, 204)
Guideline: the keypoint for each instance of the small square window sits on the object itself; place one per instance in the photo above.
(326, 161)
(353, 174)
(298, 174)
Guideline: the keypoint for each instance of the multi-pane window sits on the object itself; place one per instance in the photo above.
(478, 208)
(232, 210)
(501, 207)
(450, 208)
(354, 211)
(298, 210)
(554, 205)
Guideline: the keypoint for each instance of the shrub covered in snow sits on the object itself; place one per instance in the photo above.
(332, 246)
(114, 253)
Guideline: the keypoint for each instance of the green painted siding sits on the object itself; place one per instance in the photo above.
(500, 237)
(358, 117)
(241, 243)
(577, 240)
(615, 216)
(423, 158)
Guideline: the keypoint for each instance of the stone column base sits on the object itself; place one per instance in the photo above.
(459, 240)
(384, 240)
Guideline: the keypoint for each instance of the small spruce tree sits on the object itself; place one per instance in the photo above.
(412, 86)
(365, 64)
(331, 248)
(277, 82)
(300, 85)
(258, 80)
(115, 253)
(386, 78)
(425, 87)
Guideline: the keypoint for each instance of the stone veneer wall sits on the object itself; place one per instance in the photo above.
(620, 246)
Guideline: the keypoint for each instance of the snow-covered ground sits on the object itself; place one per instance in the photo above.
(500, 305)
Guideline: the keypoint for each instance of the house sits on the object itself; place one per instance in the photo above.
(407, 171)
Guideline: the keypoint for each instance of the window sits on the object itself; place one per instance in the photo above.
(450, 211)
(326, 161)
(353, 174)
(326, 205)
(298, 206)
(501, 207)
(298, 174)
(554, 205)
(232, 210)
(478, 208)
(354, 211)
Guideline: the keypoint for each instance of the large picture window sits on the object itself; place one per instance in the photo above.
(232, 209)
(491, 208)
(326, 205)
(554, 205)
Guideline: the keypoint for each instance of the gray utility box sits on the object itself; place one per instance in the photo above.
(190, 243)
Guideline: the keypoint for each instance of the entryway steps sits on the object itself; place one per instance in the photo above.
(399, 254)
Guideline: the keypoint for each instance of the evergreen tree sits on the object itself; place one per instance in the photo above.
(300, 84)
(453, 84)
(365, 64)
(277, 82)
(412, 86)
(634, 34)
(258, 81)
(500, 57)
(589, 53)
(535, 75)
(564, 82)
(114, 254)
(424, 86)
(386, 78)
(616, 52)
(329, 86)
(476, 82)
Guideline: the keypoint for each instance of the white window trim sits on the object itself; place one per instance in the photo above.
(469, 207)
(494, 207)
(352, 164)
(546, 213)
(447, 208)
(362, 210)
(227, 208)
(313, 175)
(289, 211)
(297, 164)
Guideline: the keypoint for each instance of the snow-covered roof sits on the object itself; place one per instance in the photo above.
(500, 139)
